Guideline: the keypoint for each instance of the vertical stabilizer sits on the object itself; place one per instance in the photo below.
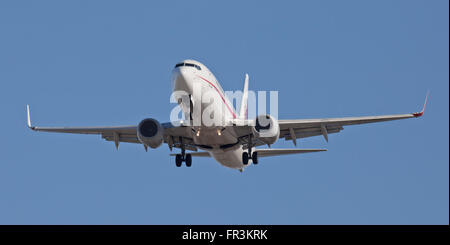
(243, 110)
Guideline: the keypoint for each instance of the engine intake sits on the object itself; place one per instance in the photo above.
(266, 129)
(150, 132)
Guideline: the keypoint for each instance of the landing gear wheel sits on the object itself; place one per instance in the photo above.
(255, 157)
(245, 158)
(178, 160)
(188, 160)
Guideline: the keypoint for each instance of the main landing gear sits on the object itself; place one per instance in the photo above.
(183, 157)
(247, 155)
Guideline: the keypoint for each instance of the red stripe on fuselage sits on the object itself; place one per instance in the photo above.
(220, 94)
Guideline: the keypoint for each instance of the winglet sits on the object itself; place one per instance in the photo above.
(419, 114)
(28, 118)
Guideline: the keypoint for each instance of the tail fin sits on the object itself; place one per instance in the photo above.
(243, 110)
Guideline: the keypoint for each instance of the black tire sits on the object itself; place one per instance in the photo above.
(255, 157)
(245, 158)
(178, 160)
(188, 160)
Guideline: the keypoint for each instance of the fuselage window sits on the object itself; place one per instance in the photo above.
(188, 64)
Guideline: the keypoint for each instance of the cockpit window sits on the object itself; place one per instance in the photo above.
(188, 64)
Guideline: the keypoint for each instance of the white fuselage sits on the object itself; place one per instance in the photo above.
(220, 143)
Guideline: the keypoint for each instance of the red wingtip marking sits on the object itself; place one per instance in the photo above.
(419, 114)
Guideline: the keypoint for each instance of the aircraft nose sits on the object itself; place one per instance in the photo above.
(179, 73)
(180, 77)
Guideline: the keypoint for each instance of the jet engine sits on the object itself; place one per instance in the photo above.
(266, 129)
(150, 132)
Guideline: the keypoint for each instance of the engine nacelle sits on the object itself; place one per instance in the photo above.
(150, 132)
(266, 129)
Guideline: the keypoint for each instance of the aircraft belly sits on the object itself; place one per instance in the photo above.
(230, 159)
(210, 137)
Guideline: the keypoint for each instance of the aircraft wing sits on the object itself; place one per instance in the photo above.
(172, 135)
(302, 128)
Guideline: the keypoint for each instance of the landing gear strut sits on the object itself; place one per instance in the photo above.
(183, 157)
(246, 157)
(179, 159)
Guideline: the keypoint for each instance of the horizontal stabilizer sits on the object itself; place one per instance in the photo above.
(196, 154)
(278, 152)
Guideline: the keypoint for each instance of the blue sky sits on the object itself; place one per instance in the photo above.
(80, 63)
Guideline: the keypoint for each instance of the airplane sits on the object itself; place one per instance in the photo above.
(232, 144)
